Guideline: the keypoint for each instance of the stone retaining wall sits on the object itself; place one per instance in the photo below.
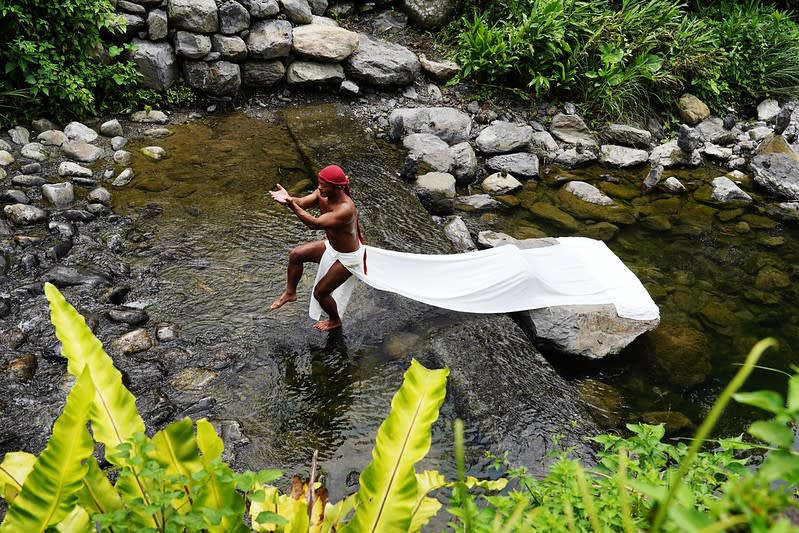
(220, 47)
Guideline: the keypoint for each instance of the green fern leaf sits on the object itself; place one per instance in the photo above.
(97, 495)
(336, 514)
(113, 413)
(425, 509)
(49, 492)
(388, 486)
(114, 416)
(14, 469)
(76, 522)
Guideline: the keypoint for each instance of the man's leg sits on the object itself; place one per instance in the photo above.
(310, 252)
(335, 276)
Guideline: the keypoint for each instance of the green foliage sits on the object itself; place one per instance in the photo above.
(760, 48)
(640, 483)
(531, 48)
(177, 481)
(622, 61)
(54, 52)
(50, 491)
(388, 491)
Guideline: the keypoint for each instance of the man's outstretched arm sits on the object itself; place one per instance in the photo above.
(332, 219)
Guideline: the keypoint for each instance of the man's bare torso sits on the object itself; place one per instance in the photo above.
(344, 237)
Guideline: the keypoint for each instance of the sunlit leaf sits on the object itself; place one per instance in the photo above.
(14, 469)
(767, 400)
(388, 486)
(49, 492)
(772, 432)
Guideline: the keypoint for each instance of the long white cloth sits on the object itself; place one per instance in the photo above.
(575, 271)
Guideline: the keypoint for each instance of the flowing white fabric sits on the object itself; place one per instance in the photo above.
(575, 271)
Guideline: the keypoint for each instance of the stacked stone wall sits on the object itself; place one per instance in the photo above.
(220, 47)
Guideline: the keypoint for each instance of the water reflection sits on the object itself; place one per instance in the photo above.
(324, 388)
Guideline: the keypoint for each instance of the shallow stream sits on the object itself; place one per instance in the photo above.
(214, 247)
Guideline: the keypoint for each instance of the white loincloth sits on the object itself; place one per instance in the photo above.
(575, 271)
(352, 261)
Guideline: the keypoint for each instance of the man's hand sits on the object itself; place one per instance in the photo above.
(281, 195)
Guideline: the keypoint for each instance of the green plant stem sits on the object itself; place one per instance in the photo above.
(588, 501)
(709, 423)
(723, 525)
(623, 499)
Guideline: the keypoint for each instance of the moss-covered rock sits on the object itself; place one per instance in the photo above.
(605, 402)
(676, 423)
(719, 317)
(679, 355)
(553, 215)
(593, 211)
(603, 231)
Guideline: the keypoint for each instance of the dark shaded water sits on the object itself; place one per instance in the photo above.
(215, 248)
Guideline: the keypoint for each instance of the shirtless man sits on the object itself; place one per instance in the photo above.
(339, 218)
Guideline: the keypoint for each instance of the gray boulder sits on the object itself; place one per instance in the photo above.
(382, 63)
(523, 165)
(25, 215)
(191, 45)
(429, 15)
(263, 9)
(269, 39)
(157, 63)
(572, 130)
(81, 151)
(712, 130)
(157, 25)
(465, 164)
(230, 47)
(314, 73)
(263, 74)
(429, 149)
(198, 16)
(502, 137)
(436, 191)
(324, 43)
(726, 191)
(219, 78)
(439, 71)
(627, 136)
(458, 234)
(297, 11)
(778, 174)
(622, 156)
(450, 125)
(670, 155)
(233, 18)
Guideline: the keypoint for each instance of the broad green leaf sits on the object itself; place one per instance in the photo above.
(486, 484)
(336, 514)
(430, 480)
(176, 450)
(768, 400)
(688, 519)
(113, 416)
(772, 432)
(294, 512)
(388, 486)
(14, 469)
(656, 492)
(781, 465)
(98, 496)
(209, 443)
(76, 522)
(49, 492)
(426, 509)
(113, 413)
(217, 493)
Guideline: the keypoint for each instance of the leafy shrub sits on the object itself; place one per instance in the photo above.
(640, 483)
(55, 52)
(624, 60)
(760, 48)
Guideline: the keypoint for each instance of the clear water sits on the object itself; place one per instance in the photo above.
(216, 247)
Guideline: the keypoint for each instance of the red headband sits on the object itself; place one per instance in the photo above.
(334, 175)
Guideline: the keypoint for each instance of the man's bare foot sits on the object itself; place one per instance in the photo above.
(283, 299)
(327, 325)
